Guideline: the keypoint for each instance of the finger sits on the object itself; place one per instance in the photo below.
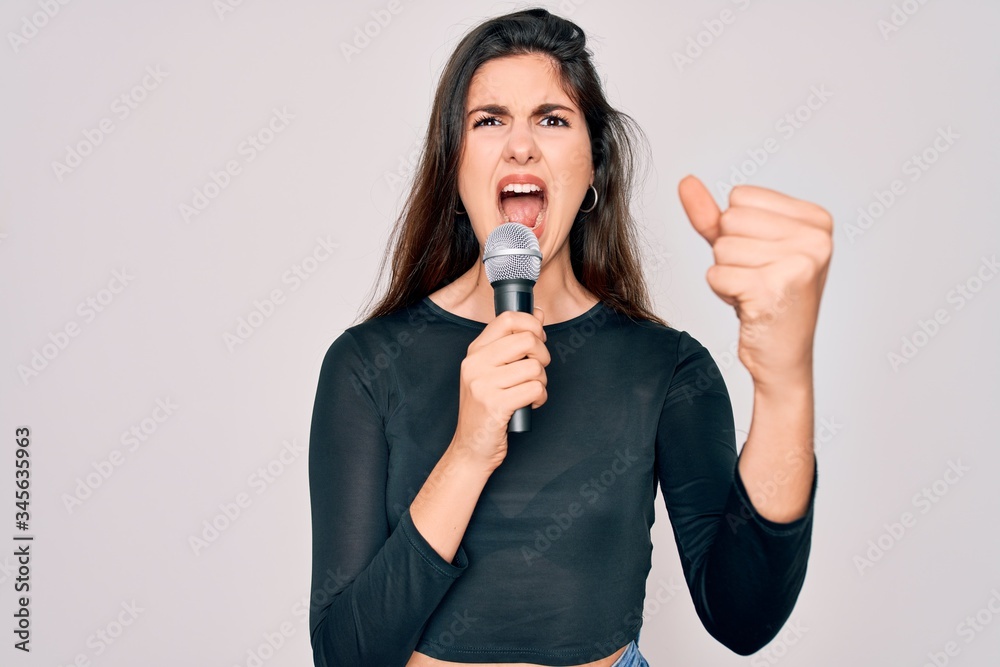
(755, 196)
(513, 347)
(731, 283)
(700, 207)
(759, 223)
(519, 372)
(524, 394)
(540, 352)
(506, 323)
(744, 251)
(810, 242)
(536, 350)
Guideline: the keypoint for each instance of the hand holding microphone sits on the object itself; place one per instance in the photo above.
(503, 373)
(513, 262)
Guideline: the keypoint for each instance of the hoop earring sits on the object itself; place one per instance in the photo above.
(457, 212)
(594, 205)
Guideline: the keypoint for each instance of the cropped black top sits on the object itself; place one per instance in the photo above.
(552, 568)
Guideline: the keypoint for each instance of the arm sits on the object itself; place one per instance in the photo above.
(443, 507)
(744, 571)
(373, 589)
(777, 463)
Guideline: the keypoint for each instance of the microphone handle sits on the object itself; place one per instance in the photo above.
(515, 294)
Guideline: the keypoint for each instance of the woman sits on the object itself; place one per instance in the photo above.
(439, 539)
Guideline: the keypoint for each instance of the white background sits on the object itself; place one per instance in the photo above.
(337, 171)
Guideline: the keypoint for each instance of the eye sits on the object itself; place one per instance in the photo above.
(565, 123)
(481, 121)
(492, 121)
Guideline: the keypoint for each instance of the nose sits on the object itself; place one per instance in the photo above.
(521, 146)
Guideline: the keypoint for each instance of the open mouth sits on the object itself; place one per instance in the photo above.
(523, 202)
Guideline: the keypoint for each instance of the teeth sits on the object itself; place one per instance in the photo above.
(522, 187)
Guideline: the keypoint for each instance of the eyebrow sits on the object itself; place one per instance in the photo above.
(504, 111)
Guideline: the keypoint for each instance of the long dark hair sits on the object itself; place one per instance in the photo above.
(431, 245)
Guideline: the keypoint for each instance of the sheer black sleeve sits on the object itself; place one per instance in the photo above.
(373, 587)
(744, 572)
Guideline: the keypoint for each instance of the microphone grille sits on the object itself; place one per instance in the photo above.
(524, 265)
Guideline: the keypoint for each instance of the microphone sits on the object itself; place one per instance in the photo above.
(513, 261)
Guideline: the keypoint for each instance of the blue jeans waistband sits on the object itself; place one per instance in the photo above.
(631, 657)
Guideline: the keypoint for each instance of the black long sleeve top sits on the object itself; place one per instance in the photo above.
(553, 565)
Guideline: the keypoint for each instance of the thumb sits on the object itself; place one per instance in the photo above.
(540, 314)
(700, 207)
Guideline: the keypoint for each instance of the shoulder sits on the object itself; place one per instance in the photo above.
(671, 354)
(646, 336)
(380, 340)
(358, 361)
(355, 344)
(373, 334)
